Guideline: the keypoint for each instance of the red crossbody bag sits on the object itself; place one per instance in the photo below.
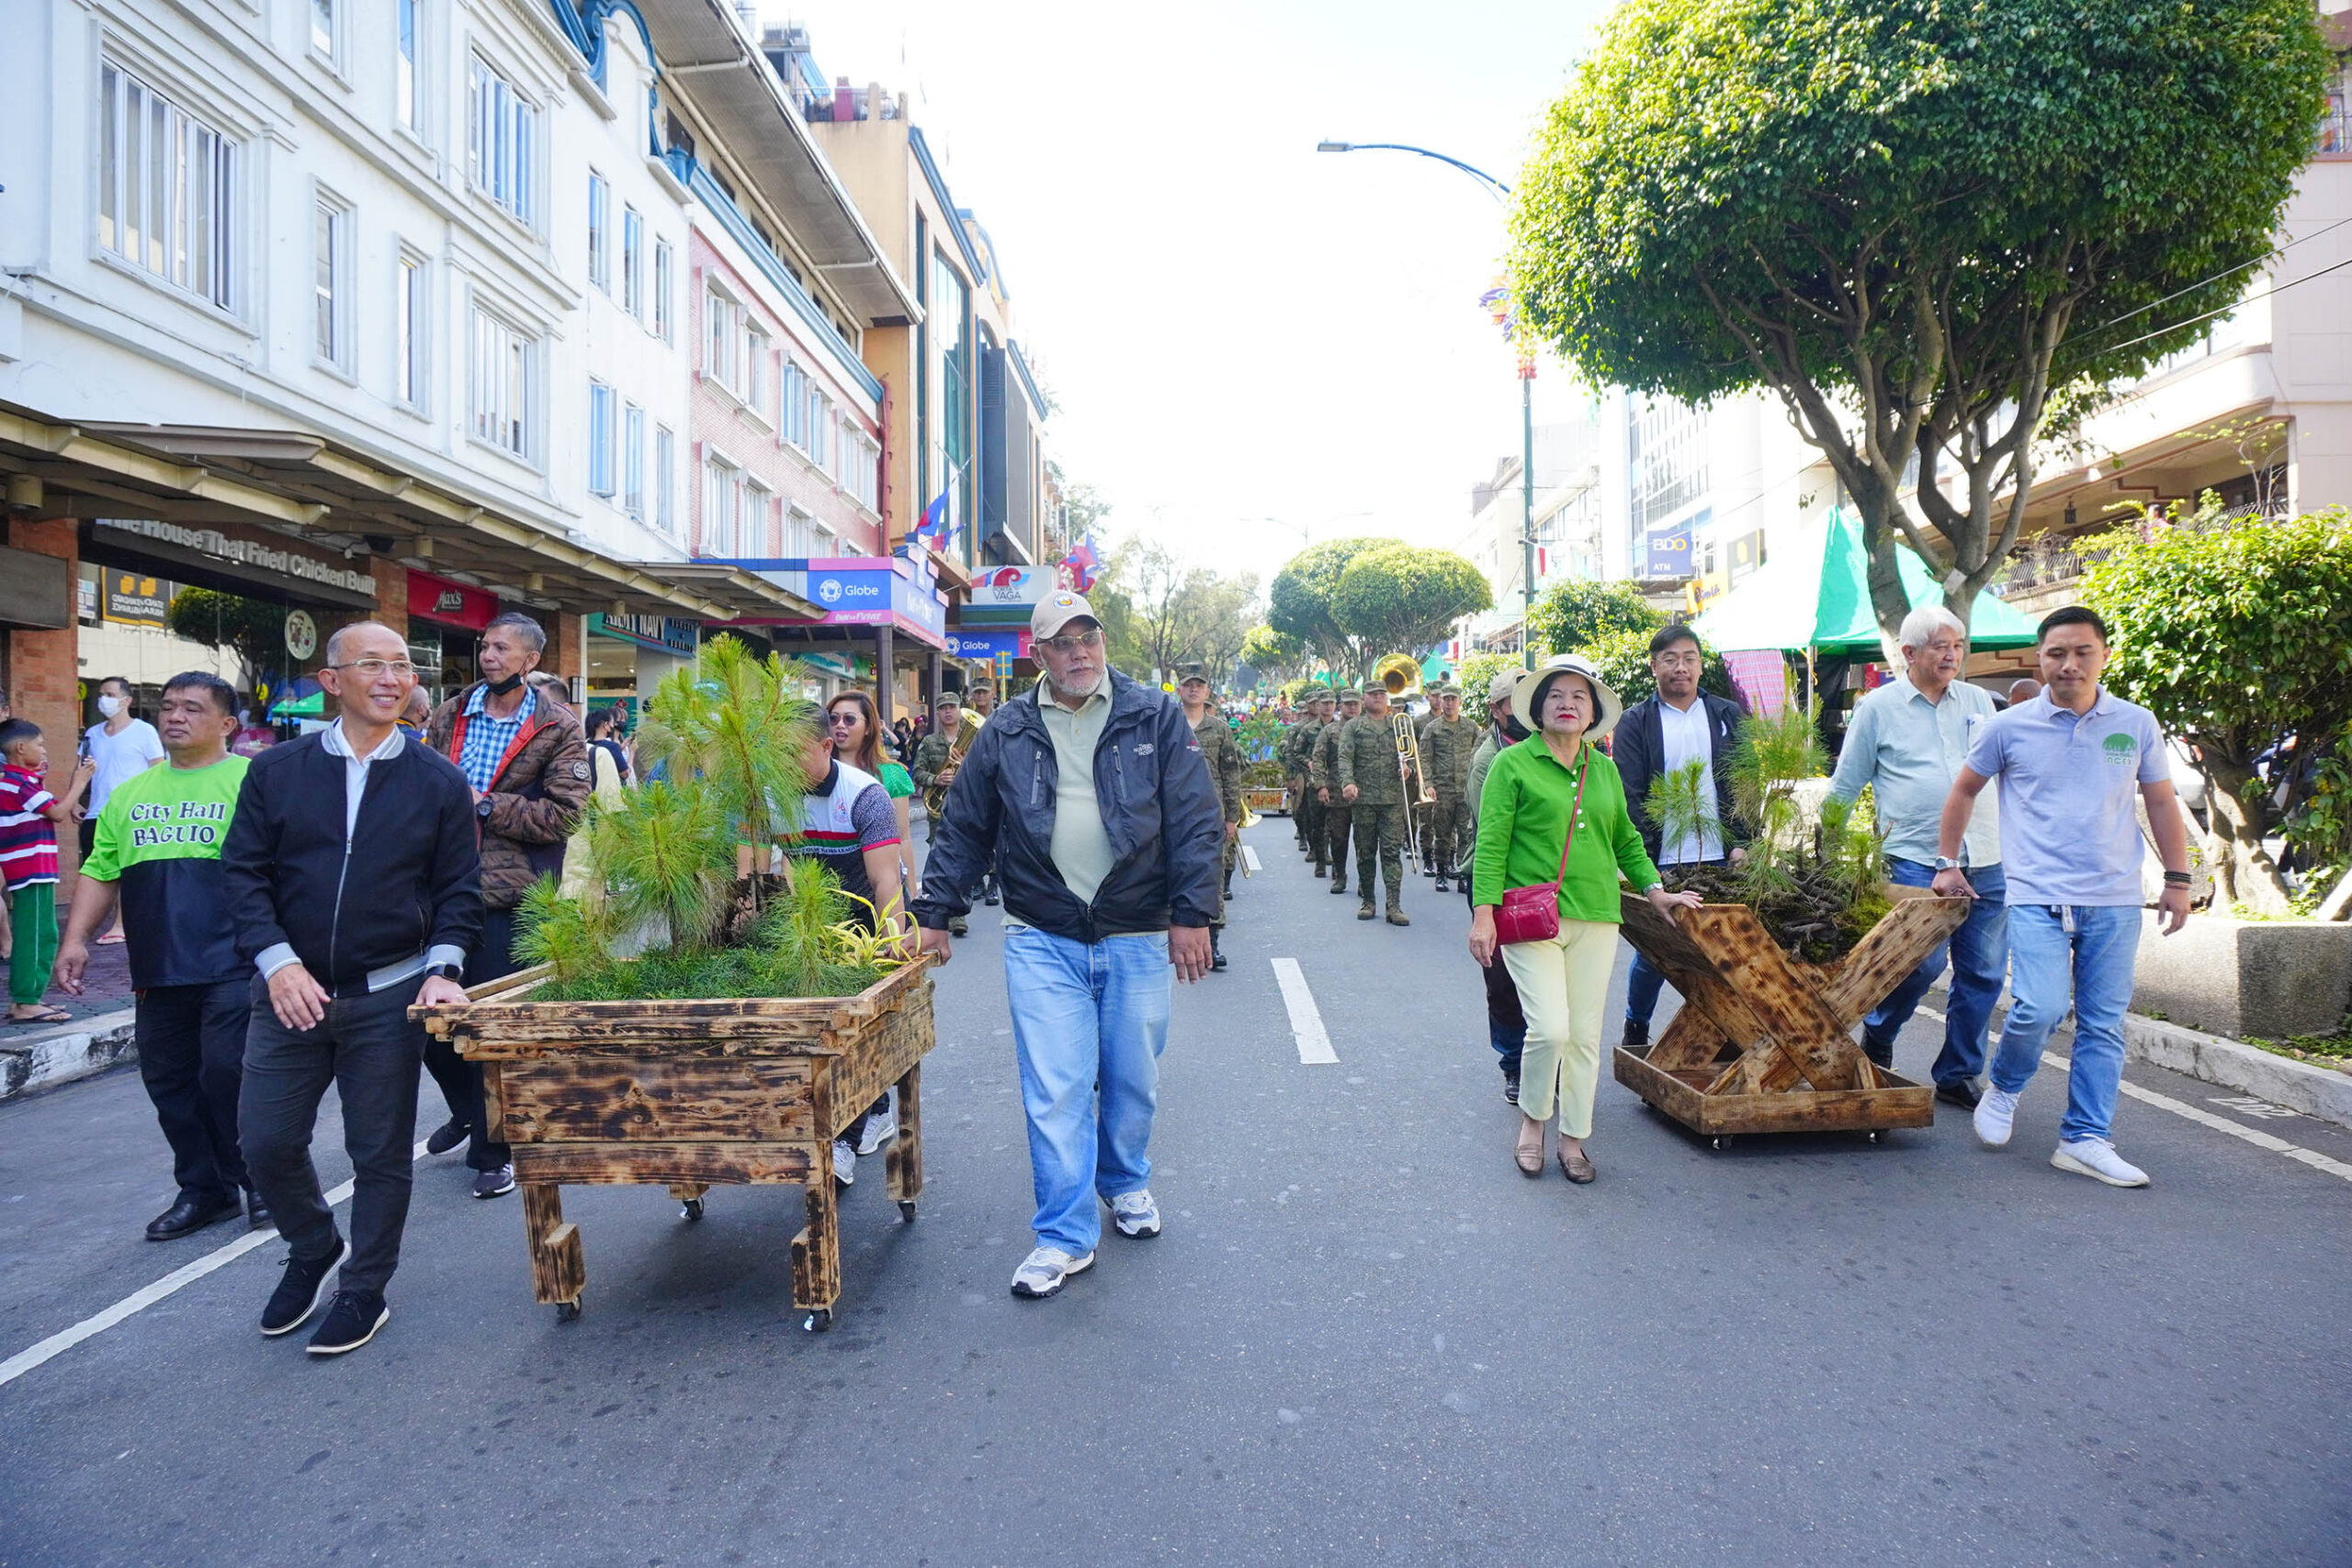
(1532, 914)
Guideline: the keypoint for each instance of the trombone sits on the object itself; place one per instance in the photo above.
(1400, 676)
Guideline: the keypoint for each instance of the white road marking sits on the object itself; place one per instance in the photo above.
(1250, 863)
(2260, 1140)
(1305, 1020)
(139, 1300)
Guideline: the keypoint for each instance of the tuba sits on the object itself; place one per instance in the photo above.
(1399, 675)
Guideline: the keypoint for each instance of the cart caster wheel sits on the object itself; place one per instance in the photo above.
(567, 1312)
(1872, 1137)
(1720, 1141)
(907, 1209)
(818, 1321)
(691, 1209)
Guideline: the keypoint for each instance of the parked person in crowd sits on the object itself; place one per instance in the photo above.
(1366, 772)
(252, 740)
(1909, 741)
(525, 760)
(123, 747)
(604, 727)
(608, 788)
(2023, 690)
(979, 702)
(417, 711)
(1506, 1019)
(937, 760)
(1680, 725)
(2068, 763)
(1556, 810)
(1448, 741)
(1090, 789)
(28, 817)
(904, 746)
(1214, 738)
(355, 886)
(1338, 812)
(158, 848)
(857, 739)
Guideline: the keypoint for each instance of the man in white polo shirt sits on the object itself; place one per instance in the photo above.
(2068, 763)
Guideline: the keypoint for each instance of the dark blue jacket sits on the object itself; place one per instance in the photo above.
(1159, 806)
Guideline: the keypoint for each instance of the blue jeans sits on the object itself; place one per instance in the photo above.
(1089, 1021)
(2086, 949)
(1645, 980)
(1980, 953)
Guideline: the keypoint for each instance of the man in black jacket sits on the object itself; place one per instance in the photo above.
(353, 879)
(1090, 792)
(1680, 725)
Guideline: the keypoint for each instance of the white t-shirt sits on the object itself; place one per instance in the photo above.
(120, 756)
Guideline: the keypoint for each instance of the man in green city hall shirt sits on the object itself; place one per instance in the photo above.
(157, 847)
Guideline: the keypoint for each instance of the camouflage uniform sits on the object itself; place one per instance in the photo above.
(1337, 815)
(930, 760)
(1366, 758)
(1294, 773)
(1222, 753)
(1447, 746)
(1305, 809)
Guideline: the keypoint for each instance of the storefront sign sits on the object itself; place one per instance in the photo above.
(1668, 554)
(134, 598)
(663, 634)
(1006, 643)
(302, 635)
(434, 598)
(285, 559)
(858, 590)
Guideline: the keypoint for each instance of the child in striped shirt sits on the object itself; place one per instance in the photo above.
(28, 818)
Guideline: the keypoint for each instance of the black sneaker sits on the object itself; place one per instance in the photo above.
(494, 1183)
(1511, 1088)
(300, 1291)
(1637, 1037)
(1961, 1092)
(446, 1137)
(351, 1322)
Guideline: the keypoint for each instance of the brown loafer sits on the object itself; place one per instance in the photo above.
(1531, 1159)
(1576, 1167)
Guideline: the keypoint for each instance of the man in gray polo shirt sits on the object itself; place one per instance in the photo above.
(2068, 763)
(1908, 741)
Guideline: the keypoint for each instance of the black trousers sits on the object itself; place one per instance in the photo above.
(192, 1060)
(369, 1050)
(1506, 1019)
(461, 1080)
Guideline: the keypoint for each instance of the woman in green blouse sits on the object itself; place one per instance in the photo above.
(1523, 820)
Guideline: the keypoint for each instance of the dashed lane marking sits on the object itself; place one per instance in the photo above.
(1250, 860)
(139, 1300)
(1305, 1019)
(2259, 1139)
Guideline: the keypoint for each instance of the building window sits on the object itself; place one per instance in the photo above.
(600, 201)
(2335, 124)
(865, 476)
(752, 388)
(164, 180)
(820, 423)
(632, 262)
(322, 21)
(633, 461)
(793, 406)
(662, 269)
(800, 537)
(721, 494)
(751, 521)
(499, 384)
(501, 136)
(665, 474)
(412, 332)
(330, 247)
(600, 439)
(406, 87)
(718, 338)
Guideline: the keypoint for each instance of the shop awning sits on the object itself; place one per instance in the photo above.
(1812, 593)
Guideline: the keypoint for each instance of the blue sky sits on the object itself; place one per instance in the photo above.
(1237, 328)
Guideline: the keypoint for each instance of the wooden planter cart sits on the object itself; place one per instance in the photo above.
(1268, 799)
(1764, 1042)
(693, 1095)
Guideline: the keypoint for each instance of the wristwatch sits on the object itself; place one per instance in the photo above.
(454, 973)
(1945, 862)
(481, 809)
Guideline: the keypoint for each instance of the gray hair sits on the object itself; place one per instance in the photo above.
(533, 635)
(1920, 626)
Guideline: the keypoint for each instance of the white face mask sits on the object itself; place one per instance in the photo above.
(109, 706)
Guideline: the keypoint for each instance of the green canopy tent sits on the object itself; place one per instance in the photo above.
(1811, 595)
(313, 705)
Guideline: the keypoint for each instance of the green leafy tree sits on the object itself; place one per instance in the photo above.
(1624, 659)
(1399, 599)
(1272, 654)
(1571, 617)
(2236, 635)
(253, 630)
(1297, 692)
(1911, 221)
(1477, 674)
(1173, 612)
(1299, 605)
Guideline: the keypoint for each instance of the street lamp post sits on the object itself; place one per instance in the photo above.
(1526, 400)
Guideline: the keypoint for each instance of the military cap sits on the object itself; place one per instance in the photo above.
(1349, 694)
(1195, 671)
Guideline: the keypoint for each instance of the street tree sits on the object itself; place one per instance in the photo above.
(1912, 221)
(1398, 598)
(1173, 612)
(1298, 605)
(251, 630)
(1573, 615)
(2234, 635)
(1272, 654)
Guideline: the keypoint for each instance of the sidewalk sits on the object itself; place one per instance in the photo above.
(34, 1055)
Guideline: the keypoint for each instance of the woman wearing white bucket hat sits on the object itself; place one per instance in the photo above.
(1554, 834)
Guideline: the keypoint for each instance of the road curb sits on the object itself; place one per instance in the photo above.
(2320, 1092)
(71, 1051)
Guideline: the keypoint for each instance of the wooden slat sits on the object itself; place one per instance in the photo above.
(1891, 950)
(880, 1057)
(903, 1164)
(1833, 1110)
(559, 1265)
(817, 1250)
(669, 1164)
(490, 1025)
(656, 1099)
(1693, 1039)
(1791, 1010)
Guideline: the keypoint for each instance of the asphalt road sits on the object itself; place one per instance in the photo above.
(1365, 1338)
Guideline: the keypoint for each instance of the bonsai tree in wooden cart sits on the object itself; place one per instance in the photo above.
(1793, 946)
(709, 1012)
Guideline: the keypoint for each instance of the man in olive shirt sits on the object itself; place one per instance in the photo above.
(1338, 810)
(1372, 784)
(1305, 805)
(1214, 738)
(158, 844)
(1448, 742)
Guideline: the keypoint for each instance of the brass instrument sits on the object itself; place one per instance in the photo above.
(1399, 675)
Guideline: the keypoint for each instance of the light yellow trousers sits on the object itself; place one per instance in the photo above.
(1564, 990)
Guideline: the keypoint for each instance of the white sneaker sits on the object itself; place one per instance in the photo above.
(1996, 1113)
(2096, 1158)
(844, 1162)
(1135, 1215)
(1042, 1274)
(879, 1130)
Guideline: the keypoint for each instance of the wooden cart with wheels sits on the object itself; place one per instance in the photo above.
(691, 1095)
(1268, 800)
(1764, 1042)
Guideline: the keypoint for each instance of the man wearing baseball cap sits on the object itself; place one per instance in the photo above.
(1090, 792)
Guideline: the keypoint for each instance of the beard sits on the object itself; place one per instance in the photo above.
(1080, 687)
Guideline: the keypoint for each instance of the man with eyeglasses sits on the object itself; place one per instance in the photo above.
(1090, 791)
(352, 879)
(526, 759)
